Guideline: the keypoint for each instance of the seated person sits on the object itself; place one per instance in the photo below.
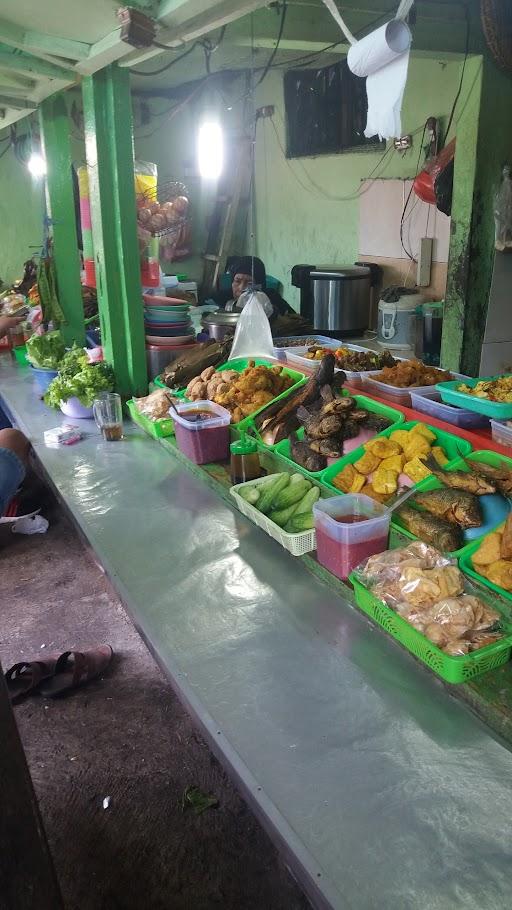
(14, 446)
(242, 270)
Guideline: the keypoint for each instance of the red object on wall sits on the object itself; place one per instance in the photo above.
(425, 183)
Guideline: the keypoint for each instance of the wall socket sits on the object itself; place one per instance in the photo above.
(403, 143)
(267, 111)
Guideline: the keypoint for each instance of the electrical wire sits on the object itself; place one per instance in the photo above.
(402, 219)
(466, 54)
(278, 42)
(167, 66)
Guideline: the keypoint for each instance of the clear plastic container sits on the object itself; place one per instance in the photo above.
(501, 432)
(201, 437)
(348, 530)
(400, 396)
(457, 417)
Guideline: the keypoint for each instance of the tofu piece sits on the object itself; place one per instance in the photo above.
(394, 463)
(385, 482)
(416, 470)
(424, 431)
(367, 463)
(440, 456)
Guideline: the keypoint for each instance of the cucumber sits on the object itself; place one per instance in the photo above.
(302, 522)
(250, 494)
(282, 516)
(308, 501)
(270, 492)
(291, 495)
(294, 478)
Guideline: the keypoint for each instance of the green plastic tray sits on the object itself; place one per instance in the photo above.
(159, 429)
(432, 483)
(367, 404)
(240, 364)
(451, 669)
(498, 410)
(452, 445)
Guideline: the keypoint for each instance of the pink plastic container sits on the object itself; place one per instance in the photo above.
(348, 530)
(207, 439)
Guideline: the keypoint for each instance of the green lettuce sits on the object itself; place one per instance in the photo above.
(85, 384)
(46, 351)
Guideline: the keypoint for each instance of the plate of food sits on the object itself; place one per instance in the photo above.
(491, 396)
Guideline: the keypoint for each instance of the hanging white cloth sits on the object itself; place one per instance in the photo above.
(383, 58)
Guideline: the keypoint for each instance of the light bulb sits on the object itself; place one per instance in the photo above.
(210, 151)
(36, 165)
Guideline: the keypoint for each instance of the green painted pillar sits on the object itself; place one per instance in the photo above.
(54, 123)
(109, 150)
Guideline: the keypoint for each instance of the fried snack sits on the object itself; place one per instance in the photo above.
(425, 432)
(418, 588)
(449, 579)
(382, 447)
(489, 550)
(358, 482)
(393, 463)
(408, 373)
(385, 482)
(401, 437)
(439, 455)
(500, 573)
(416, 445)
(506, 539)
(368, 490)
(367, 463)
(494, 390)
(457, 647)
(416, 470)
(344, 480)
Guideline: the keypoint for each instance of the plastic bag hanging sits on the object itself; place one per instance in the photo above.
(253, 337)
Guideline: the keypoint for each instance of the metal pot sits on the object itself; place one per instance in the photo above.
(220, 324)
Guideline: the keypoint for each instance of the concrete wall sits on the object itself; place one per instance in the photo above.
(21, 215)
(301, 213)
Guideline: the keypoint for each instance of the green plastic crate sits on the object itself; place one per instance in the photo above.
(451, 669)
(240, 364)
(497, 409)
(432, 483)
(367, 404)
(159, 429)
(466, 566)
(452, 445)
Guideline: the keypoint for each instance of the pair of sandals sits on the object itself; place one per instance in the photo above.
(57, 675)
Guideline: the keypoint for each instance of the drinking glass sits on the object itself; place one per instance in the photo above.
(108, 414)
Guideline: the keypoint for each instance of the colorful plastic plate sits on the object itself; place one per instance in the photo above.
(176, 340)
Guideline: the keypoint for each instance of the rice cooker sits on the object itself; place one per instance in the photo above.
(397, 322)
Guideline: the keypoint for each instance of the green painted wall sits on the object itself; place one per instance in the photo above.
(20, 215)
(494, 149)
(296, 221)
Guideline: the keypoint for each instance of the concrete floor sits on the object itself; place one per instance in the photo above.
(127, 737)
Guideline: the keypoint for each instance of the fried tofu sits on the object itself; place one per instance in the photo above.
(440, 456)
(401, 437)
(367, 463)
(382, 447)
(385, 482)
(416, 470)
(424, 431)
(368, 490)
(489, 550)
(347, 479)
(417, 447)
(393, 463)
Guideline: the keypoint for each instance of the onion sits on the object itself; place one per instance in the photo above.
(144, 215)
(181, 204)
(157, 222)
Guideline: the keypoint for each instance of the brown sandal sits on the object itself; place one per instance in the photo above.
(76, 668)
(24, 678)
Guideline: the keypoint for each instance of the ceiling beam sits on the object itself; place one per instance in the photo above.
(27, 63)
(39, 42)
(16, 81)
(18, 104)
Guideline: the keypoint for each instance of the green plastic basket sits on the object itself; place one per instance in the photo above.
(451, 669)
(452, 445)
(159, 429)
(432, 483)
(500, 410)
(283, 448)
(240, 364)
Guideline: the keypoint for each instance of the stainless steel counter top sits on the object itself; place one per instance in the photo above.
(381, 790)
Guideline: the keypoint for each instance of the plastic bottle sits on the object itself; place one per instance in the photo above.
(245, 462)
